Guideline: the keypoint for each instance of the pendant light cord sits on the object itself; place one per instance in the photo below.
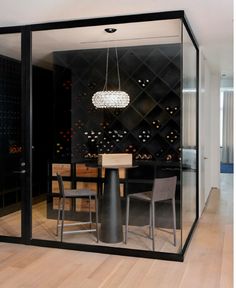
(106, 76)
(107, 70)
(118, 70)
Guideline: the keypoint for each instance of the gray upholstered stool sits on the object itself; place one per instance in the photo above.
(163, 189)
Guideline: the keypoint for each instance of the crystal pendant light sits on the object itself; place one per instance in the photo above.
(111, 98)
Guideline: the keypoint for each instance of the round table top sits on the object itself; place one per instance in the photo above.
(119, 166)
(111, 166)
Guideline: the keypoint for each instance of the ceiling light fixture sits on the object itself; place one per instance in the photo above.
(110, 30)
(111, 98)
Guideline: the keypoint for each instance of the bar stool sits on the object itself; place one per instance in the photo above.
(163, 189)
(73, 194)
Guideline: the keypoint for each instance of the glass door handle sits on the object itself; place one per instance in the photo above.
(19, 172)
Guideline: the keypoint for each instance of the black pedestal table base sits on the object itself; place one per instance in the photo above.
(111, 218)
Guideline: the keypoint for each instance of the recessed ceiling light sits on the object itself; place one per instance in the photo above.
(110, 30)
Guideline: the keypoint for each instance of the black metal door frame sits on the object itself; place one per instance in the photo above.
(26, 74)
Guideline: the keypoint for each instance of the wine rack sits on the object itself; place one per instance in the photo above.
(149, 127)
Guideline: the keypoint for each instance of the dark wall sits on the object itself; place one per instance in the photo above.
(10, 126)
(42, 127)
(10, 130)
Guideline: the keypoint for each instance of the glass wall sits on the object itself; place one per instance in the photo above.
(189, 135)
(11, 148)
(154, 62)
(149, 63)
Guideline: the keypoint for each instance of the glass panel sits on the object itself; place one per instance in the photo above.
(189, 132)
(11, 149)
(71, 63)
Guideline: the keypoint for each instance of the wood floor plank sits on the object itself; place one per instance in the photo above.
(208, 262)
(122, 270)
(136, 274)
(226, 279)
(163, 274)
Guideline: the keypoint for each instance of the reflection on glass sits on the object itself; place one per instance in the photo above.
(189, 130)
(10, 135)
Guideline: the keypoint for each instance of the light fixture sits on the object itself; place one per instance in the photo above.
(111, 98)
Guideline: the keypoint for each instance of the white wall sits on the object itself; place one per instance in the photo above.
(209, 131)
(214, 117)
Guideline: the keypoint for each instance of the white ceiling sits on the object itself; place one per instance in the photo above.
(211, 20)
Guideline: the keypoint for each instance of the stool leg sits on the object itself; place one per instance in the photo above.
(127, 218)
(62, 218)
(96, 207)
(90, 213)
(153, 225)
(150, 220)
(174, 220)
(58, 215)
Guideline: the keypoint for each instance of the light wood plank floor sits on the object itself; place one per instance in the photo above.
(208, 262)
